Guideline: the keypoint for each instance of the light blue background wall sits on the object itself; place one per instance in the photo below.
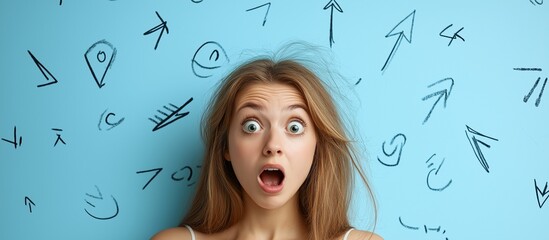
(125, 181)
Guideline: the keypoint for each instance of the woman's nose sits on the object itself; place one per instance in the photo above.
(273, 145)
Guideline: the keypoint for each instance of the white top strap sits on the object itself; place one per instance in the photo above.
(192, 232)
(347, 233)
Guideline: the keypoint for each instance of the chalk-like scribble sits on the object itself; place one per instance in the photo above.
(266, 13)
(455, 35)
(434, 170)
(332, 5)
(207, 58)
(30, 203)
(99, 58)
(441, 93)
(99, 199)
(47, 74)
(406, 25)
(538, 100)
(541, 195)
(163, 26)
(173, 116)
(428, 230)
(474, 142)
(105, 119)
(58, 136)
(398, 143)
(16, 142)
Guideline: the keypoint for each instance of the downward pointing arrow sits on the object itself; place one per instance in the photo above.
(405, 25)
(29, 202)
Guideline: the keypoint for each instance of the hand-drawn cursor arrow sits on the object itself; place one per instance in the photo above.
(442, 93)
(332, 4)
(29, 202)
(406, 25)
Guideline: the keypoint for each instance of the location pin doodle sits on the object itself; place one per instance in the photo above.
(99, 58)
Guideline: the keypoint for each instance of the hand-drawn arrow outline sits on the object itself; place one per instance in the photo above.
(267, 13)
(42, 69)
(401, 34)
(332, 4)
(473, 141)
(162, 26)
(169, 118)
(30, 203)
(442, 93)
(544, 194)
(100, 197)
(99, 82)
(393, 152)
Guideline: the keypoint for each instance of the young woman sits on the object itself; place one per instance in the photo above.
(278, 162)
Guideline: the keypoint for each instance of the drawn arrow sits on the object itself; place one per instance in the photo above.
(30, 203)
(474, 142)
(332, 4)
(169, 118)
(162, 26)
(401, 32)
(44, 71)
(267, 13)
(544, 194)
(158, 170)
(442, 93)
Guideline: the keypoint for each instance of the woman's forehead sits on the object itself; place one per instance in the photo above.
(267, 93)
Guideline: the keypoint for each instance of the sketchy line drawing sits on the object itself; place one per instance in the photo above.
(331, 5)
(163, 26)
(407, 27)
(527, 69)
(99, 58)
(398, 145)
(190, 170)
(100, 197)
(109, 123)
(267, 13)
(196, 1)
(15, 142)
(536, 2)
(158, 170)
(58, 136)
(474, 142)
(453, 36)
(426, 229)
(45, 72)
(435, 170)
(30, 203)
(60, 2)
(207, 58)
(169, 118)
(442, 93)
(359, 80)
(538, 100)
(541, 196)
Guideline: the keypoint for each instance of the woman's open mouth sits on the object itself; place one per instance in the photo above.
(271, 178)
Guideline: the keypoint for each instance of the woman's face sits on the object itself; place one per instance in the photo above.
(272, 142)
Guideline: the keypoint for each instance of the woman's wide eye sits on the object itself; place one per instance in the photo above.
(295, 127)
(251, 126)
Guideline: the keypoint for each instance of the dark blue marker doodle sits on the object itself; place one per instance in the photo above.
(536, 2)
(541, 196)
(58, 136)
(15, 141)
(434, 172)
(441, 93)
(407, 27)
(528, 69)
(99, 58)
(163, 26)
(332, 5)
(167, 119)
(45, 72)
(398, 143)
(196, 1)
(207, 58)
(455, 35)
(99, 199)
(538, 100)
(184, 170)
(30, 203)
(359, 80)
(105, 119)
(157, 170)
(267, 13)
(428, 230)
(474, 142)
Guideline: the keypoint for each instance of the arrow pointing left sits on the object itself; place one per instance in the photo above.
(29, 202)
(44, 71)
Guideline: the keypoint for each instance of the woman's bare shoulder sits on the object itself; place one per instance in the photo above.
(176, 233)
(363, 235)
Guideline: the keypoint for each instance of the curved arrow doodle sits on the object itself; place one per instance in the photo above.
(402, 141)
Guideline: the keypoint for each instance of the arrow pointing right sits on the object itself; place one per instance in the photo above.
(29, 202)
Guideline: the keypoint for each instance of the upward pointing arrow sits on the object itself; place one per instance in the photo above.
(29, 202)
(332, 4)
(406, 25)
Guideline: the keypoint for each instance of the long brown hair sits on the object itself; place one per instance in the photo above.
(325, 195)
